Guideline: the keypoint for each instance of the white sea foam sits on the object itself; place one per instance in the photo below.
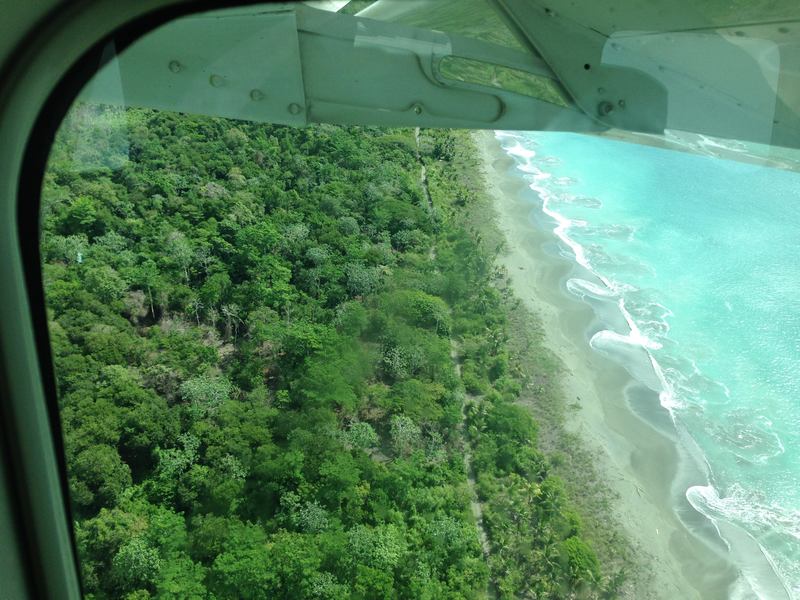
(563, 181)
(582, 288)
(748, 436)
(510, 135)
(519, 150)
(613, 264)
(528, 168)
(615, 232)
(692, 386)
(683, 389)
(634, 337)
(630, 352)
(749, 506)
(651, 316)
(590, 258)
(728, 145)
(766, 523)
(562, 197)
(703, 144)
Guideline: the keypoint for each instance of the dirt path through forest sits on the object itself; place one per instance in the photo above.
(423, 173)
(475, 504)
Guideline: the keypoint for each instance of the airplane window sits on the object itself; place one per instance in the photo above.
(464, 69)
(475, 19)
(305, 360)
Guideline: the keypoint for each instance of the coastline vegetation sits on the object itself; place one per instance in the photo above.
(254, 330)
(537, 374)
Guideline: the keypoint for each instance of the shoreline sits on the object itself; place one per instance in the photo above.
(630, 436)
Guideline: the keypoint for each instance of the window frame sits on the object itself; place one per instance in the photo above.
(40, 78)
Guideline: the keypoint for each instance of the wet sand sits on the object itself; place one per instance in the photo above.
(620, 421)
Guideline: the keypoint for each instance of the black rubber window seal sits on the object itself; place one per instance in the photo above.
(28, 199)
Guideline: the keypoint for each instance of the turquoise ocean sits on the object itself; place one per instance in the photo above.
(699, 257)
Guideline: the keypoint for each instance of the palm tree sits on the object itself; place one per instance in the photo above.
(231, 314)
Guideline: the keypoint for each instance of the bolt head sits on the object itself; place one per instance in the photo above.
(295, 108)
(216, 80)
(256, 95)
(175, 66)
(605, 108)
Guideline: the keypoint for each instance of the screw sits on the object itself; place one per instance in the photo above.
(605, 108)
(417, 109)
(256, 95)
(216, 80)
(621, 103)
(175, 66)
(295, 108)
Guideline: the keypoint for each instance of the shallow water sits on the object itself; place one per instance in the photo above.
(701, 258)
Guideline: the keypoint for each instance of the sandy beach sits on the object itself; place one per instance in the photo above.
(620, 421)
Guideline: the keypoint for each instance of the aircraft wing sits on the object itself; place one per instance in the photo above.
(717, 68)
